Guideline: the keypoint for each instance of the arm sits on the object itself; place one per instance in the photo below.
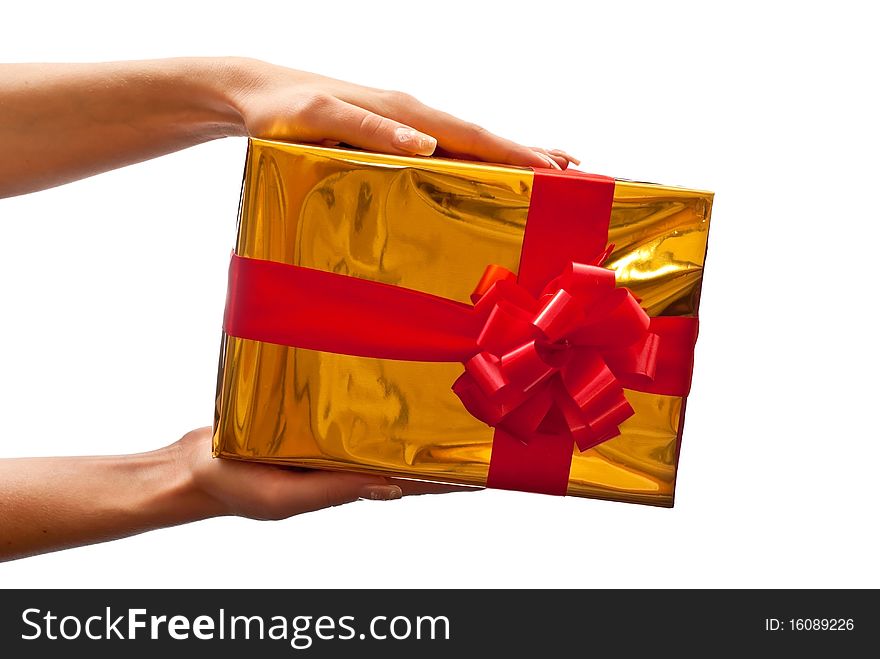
(62, 122)
(48, 504)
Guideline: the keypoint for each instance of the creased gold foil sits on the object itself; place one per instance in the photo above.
(431, 225)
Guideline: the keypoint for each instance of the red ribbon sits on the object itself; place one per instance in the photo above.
(547, 353)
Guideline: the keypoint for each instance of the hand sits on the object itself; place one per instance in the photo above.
(260, 491)
(279, 103)
(48, 504)
(61, 122)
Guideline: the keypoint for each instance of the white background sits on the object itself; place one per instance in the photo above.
(111, 288)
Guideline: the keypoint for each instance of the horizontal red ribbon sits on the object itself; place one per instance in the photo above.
(566, 228)
(300, 307)
(294, 306)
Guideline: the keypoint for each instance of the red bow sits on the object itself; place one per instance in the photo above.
(549, 365)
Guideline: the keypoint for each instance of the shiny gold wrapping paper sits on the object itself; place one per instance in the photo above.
(431, 225)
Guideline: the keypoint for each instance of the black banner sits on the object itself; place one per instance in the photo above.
(332, 623)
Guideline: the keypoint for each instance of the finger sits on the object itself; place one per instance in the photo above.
(343, 122)
(564, 154)
(552, 162)
(457, 136)
(411, 487)
(536, 159)
(558, 158)
(314, 490)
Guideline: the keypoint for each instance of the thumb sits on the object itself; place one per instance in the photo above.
(307, 491)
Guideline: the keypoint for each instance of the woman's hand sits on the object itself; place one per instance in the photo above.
(48, 504)
(62, 122)
(261, 491)
(284, 104)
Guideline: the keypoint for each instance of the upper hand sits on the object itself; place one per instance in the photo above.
(275, 102)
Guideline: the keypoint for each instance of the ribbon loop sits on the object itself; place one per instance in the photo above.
(561, 313)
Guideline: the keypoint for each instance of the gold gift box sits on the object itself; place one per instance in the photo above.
(432, 225)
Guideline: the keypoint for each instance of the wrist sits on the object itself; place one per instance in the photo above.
(227, 81)
(173, 495)
(214, 85)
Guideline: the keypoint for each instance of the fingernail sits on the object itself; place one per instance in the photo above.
(413, 141)
(381, 492)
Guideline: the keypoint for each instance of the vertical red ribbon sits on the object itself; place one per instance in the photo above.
(577, 206)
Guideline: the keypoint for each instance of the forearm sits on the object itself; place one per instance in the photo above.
(48, 504)
(61, 122)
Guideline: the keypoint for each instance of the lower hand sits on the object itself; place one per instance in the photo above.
(260, 491)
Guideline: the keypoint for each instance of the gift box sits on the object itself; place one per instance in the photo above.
(460, 322)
